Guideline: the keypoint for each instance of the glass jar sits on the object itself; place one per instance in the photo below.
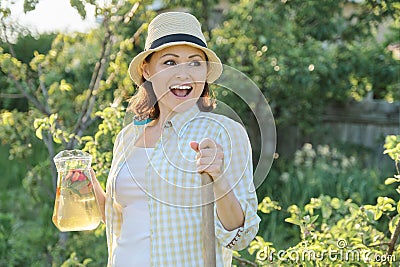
(76, 207)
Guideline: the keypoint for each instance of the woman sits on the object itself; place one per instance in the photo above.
(152, 204)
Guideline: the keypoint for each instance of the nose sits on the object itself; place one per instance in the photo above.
(182, 72)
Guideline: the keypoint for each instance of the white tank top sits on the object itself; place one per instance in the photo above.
(133, 244)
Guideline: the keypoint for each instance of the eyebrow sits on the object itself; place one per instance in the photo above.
(196, 55)
(175, 55)
(169, 54)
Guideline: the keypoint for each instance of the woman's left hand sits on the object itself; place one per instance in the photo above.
(209, 158)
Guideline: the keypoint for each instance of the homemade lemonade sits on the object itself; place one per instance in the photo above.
(75, 207)
(79, 210)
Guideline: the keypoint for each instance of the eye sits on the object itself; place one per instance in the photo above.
(195, 63)
(170, 62)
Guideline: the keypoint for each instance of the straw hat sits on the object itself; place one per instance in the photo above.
(174, 28)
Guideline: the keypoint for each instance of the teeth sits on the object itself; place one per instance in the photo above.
(181, 87)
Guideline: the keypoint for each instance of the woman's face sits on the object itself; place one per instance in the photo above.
(178, 74)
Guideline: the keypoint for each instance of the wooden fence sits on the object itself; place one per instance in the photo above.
(358, 124)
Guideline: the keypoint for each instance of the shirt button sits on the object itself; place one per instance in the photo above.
(168, 124)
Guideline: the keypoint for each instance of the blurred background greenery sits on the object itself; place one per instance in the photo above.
(62, 91)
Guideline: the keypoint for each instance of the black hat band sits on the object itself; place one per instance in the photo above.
(179, 37)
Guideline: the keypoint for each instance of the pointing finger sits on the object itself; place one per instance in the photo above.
(194, 145)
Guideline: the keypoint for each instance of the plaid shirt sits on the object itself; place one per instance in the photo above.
(173, 189)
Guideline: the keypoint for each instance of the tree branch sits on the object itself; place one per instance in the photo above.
(4, 29)
(20, 87)
(29, 96)
(87, 123)
(244, 262)
(84, 119)
(44, 89)
(48, 141)
(11, 96)
(378, 245)
(135, 38)
(393, 239)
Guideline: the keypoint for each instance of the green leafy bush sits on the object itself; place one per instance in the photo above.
(313, 172)
(335, 231)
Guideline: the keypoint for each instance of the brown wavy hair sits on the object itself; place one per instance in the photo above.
(145, 105)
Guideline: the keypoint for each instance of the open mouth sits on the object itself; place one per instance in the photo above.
(181, 90)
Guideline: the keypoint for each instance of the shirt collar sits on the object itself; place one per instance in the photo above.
(177, 122)
(180, 120)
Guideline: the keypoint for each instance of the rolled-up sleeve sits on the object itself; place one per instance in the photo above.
(239, 170)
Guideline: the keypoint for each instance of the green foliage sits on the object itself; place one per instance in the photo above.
(25, 219)
(313, 172)
(25, 45)
(20, 141)
(334, 231)
(30, 5)
(75, 86)
(23, 48)
(82, 249)
(309, 54)
(74, 89)
(267, 205)
(392, 147)
(24, 223)
(100, 146)
(345, 235)
(322, 170)
(200, 9)
(80, 7)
